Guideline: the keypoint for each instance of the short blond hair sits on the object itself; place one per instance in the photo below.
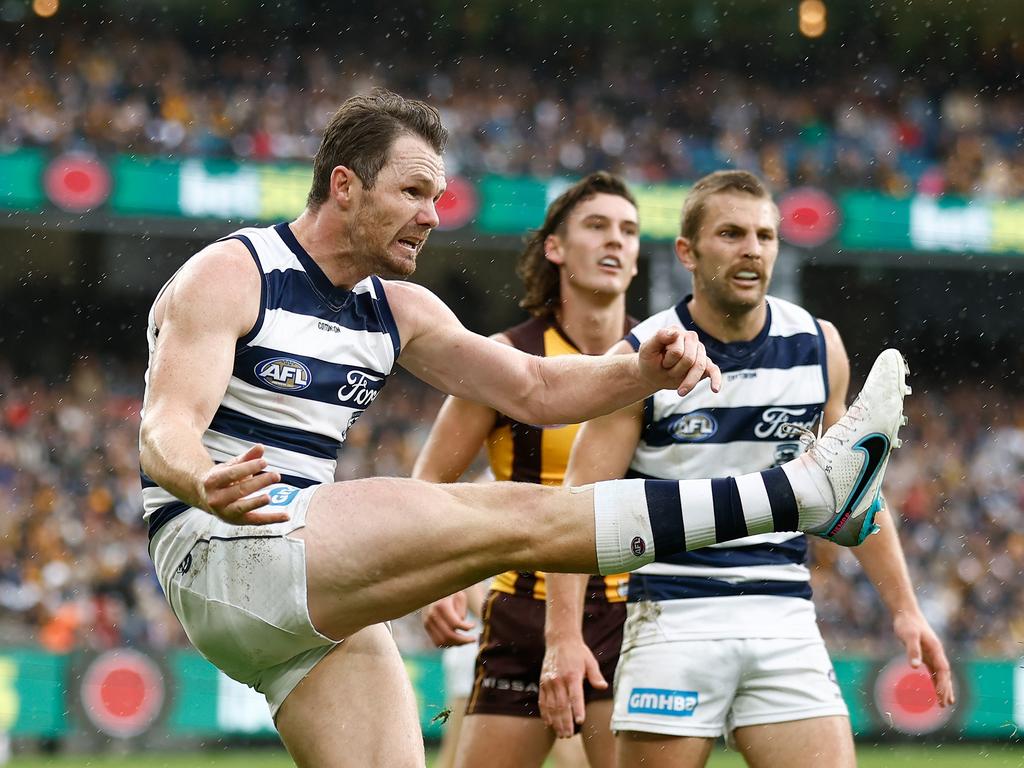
(716, 183)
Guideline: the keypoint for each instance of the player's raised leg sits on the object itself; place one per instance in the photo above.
(379, 548)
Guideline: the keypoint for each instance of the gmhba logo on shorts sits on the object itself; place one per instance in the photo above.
(282, 496)
(663, 701)
(283, 373)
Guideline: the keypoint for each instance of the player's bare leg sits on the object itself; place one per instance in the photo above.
(503, 741)
(380, 548)
(356, 709)
(800, 743)
(569, 753)
(522, 742)
(596, 734)
(655, 750)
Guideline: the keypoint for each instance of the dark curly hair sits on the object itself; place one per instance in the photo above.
(540, 276)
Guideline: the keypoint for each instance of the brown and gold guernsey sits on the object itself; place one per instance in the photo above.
(531, 454)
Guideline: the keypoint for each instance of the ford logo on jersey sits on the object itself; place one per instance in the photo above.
(662, 701)
(284, 373)
(777, 423)
(360, 389)
(693, 427)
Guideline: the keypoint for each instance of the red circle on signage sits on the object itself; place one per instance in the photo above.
(76, 182)
(808, 217)
(122, 692)
(458, 205)
(905, 699)
(915, 692)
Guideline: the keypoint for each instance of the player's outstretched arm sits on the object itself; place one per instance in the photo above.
(437, 348)
(603, 450)
(211, 303)
(882, 558)
(458, 432)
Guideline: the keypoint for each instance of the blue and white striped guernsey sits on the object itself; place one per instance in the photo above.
(744, 588)
(316, 358)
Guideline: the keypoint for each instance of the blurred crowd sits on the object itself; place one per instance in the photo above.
(74, 568)
(870, 129)
(957, 489)
(74, 565)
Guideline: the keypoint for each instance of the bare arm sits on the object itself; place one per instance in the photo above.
(881, 555)
(603, 450)
(459, 430)
(882, 558)
(211, 303)
(538, 390)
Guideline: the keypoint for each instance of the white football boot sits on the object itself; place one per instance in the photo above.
(847, 463)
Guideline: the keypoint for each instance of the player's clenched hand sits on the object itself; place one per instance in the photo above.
(675, 359)
(445, 621)
(228, 488)
(566, 665)
(924, 646)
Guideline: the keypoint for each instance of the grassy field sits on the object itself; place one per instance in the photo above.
(902, 756)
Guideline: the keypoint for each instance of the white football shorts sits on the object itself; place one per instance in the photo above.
(711, 687)
(240, 594)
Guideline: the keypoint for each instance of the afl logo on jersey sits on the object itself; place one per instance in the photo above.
(693, 427)
(283, 373)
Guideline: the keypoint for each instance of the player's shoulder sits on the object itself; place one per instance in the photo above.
(219, 284)
(644, 329)
(406, 298)
(224, 267)
(219, 255)
(790, 319)
(416, 310)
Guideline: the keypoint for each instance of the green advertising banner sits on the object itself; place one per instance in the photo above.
(145, 186)
(193, 188)
(45, 695)
(513, 206)
(887, 695)
(21, 180)
(877, 222)
(32, 685)
(131, 693)
(221, 189)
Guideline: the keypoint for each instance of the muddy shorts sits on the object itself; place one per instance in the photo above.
(239, 591)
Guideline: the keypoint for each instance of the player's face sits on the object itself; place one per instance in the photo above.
(598, 246)
(393, 219)
(734, 253)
